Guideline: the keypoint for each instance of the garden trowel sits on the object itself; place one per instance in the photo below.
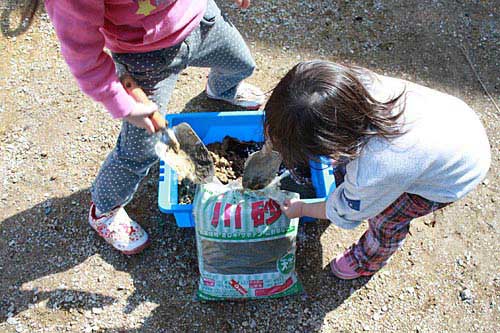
(261, 168)
(179, 146)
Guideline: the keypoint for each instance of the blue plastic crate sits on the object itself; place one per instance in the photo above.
(322, 176)
(213, 127)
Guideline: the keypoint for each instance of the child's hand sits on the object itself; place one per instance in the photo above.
(293, 208)
(139, 116)
(244, 4)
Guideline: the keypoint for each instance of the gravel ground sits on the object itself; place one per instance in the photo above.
(56, 275)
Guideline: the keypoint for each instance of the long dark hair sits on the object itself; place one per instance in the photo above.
(323, 108)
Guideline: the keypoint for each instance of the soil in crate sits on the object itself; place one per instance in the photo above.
(229, 159)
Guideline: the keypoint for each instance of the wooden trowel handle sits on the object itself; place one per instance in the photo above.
(140, 96)
(158, 120)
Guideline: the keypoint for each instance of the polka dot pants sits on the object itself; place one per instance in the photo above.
(215, 44)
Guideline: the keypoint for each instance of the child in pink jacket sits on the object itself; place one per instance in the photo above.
(152, 40)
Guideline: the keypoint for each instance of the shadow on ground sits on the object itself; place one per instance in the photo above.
(421, 40)
(53, 237)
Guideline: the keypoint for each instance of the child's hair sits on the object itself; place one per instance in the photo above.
(322, 108)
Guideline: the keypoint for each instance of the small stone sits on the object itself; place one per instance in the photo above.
(96, 310)
(245, 323)
(83, 119)
(466, 295)
(12, 321)
(253, 324)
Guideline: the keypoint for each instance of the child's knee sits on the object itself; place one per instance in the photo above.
(251, 65)
(247, 66)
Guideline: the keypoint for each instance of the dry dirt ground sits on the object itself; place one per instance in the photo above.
(57, 275)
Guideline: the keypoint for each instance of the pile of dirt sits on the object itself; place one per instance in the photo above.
(230, 155)
(229, 159)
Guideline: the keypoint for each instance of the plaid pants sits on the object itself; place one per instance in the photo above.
(387, 232)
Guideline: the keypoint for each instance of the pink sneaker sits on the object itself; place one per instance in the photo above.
(119, 230)
(341, 269)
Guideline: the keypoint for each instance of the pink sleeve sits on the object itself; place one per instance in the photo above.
(77, 25)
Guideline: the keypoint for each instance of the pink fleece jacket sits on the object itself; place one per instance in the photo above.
(85, 27)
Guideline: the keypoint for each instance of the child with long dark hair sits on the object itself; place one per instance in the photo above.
(153, 41)
(408, 150)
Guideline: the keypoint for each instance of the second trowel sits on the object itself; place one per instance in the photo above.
(261, 168)
(180, 147)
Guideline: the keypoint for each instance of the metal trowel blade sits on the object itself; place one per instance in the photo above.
(261, 168)
(192, 160)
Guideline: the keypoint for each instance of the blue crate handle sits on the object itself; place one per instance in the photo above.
(322, 176)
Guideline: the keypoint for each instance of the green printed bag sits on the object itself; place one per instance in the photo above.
(246, 245)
